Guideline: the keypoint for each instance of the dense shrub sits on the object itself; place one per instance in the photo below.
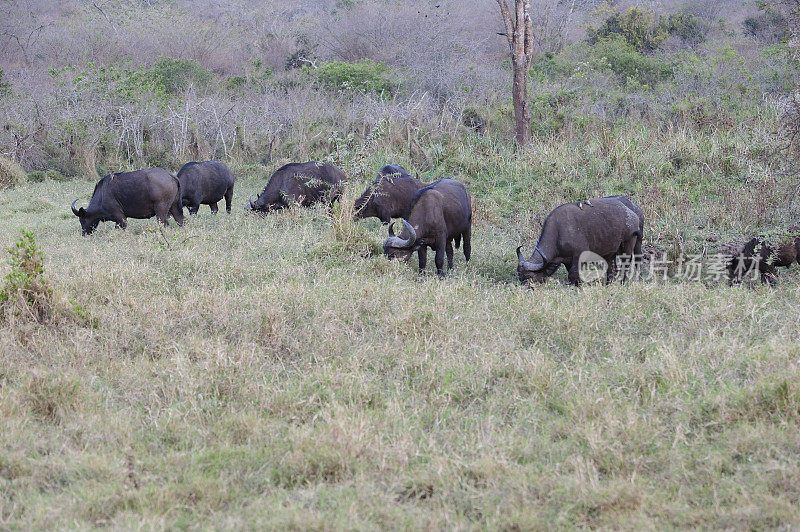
(174, 75)
(645, 32)
(690, 29)
(628, 63)
(769, 26)
(168, 76)
(637, 26)
(360, 77)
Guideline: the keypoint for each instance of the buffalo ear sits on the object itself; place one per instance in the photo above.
(81, 212)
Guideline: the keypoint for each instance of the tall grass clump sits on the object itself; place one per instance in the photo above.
(349, 236)
(11, 174)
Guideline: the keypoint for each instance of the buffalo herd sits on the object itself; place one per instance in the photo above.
(436, 216)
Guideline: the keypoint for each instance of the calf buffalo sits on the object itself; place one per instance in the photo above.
(303, 183)
(137, 194)
(440, 214)
(765, 254)
(389, 196)
(205, 183)
(604, 226)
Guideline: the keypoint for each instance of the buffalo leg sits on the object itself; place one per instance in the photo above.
(163, 216)
(422, 254)
(214, 208)
(121, 222)
(228, 199)
(631, 256)
(467, 243)
(193, 208)
(573, 272)
(439, 259)
(449, 251)
(611, 271)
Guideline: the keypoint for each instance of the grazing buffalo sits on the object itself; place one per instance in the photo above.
(137, 194)
(440, 213)
(389, 196)
(303, 183)
(765, 254)
(205, 183)
(604, 226)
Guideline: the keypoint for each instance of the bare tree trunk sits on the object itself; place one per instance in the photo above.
(522, 113)
(519, 33)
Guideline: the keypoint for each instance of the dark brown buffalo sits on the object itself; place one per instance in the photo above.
(137, 194)
(303, 183)
(604, 226)
(764, 254)
(389, 196)
(440, 214)
(205, 183)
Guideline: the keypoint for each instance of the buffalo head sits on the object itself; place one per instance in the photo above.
(397, 247)
(88, 222)
(531, 270)
(375, 203)
(262, 203)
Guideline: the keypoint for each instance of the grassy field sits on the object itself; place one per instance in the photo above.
(268, 372)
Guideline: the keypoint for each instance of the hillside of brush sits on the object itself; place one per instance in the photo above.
(275, 371)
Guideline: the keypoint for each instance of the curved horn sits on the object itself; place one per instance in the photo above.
(528, 265)
(251, 201)
(397, 242)
(411, 230)
(74, 210)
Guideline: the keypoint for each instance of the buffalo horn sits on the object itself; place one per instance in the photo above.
(74, 210)
(528, 265)
(401, 243)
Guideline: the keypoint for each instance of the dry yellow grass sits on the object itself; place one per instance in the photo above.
(248, 371)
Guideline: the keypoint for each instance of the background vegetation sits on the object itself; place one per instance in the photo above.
(273, 371)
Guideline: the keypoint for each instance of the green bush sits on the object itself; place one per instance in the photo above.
(26, 291)
(768, 26)
(626, 62)
(691, 29)
(235, 83)
(168, 76)
(361, 76)
(645, 32)
(27, 295)
(5, 86)
(174, 74)
(637, 26)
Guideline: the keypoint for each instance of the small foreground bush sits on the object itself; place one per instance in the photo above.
(27, 295)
